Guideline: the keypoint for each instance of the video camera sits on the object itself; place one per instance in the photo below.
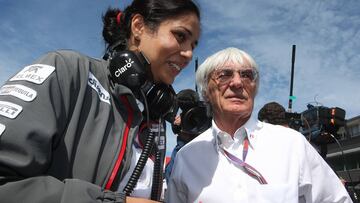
(318, 122)
(194, 118)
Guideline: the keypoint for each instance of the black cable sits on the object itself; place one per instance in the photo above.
(344, 161)
(156, 177)
(144, 155)
(157, 182)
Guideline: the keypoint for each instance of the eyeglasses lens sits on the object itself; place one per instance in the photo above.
(225, 75)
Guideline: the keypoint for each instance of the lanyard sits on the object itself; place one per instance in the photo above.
(249, 169)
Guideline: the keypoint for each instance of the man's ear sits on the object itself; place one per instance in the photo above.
(205, 97)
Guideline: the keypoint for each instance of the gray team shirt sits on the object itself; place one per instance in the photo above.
(62, 127)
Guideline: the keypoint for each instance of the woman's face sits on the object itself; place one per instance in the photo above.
(170, 48)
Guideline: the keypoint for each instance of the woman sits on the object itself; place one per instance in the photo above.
(68, 122)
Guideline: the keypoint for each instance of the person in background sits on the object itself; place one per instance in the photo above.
(273, 113)
(68, 121)
(188, 100)
(240, 159)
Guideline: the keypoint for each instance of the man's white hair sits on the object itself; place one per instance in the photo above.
(218, 59)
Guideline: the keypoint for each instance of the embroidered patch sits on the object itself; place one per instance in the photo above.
(96, 85)
(20, 91)
(9, 110)
(36, 73)
(2, 129)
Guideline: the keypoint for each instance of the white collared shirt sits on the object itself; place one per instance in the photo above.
(143, 186)
(294, 170)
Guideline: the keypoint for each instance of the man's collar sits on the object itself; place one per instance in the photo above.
(250, 127)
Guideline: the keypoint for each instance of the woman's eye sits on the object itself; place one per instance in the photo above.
(180, 36)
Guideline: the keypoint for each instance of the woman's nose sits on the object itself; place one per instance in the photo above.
(187, 53)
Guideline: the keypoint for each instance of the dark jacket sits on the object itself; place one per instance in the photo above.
(66, 133)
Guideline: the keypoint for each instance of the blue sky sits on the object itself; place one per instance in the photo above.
(326, 34)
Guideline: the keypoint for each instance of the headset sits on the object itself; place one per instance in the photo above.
(132, 69)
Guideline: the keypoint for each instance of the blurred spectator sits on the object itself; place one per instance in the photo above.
(273, 113)
(191, 122)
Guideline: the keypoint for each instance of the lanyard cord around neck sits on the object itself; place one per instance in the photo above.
(249, 169)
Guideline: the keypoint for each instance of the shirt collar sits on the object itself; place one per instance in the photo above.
(251, 127)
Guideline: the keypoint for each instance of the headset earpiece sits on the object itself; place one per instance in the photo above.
(162, 101)
(129, 69)
(132, 69)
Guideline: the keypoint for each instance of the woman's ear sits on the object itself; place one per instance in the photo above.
(137, 27)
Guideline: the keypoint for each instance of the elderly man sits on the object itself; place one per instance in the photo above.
(240, 159)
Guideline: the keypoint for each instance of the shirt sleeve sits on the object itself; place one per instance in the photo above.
(35, 105)
(318, 182)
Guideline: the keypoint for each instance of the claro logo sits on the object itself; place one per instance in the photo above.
(124, 68)
(94, 83)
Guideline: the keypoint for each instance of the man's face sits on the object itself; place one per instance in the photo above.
(230, 92)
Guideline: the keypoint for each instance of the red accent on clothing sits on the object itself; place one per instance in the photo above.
(123, 145)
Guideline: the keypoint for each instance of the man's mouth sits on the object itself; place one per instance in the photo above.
(237, 97)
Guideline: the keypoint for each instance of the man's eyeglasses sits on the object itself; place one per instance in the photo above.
(225, 74)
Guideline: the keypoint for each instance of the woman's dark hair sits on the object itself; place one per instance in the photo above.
(153, 11)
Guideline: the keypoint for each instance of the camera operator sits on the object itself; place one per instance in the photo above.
(191, 122)
(273, 113)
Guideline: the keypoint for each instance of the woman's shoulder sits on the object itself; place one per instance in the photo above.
(68, 54)
(70, 61)
(69, 66)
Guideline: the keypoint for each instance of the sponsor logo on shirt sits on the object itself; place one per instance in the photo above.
(9, 110)
(2, 129)
(95, 84)
(19, 91)
(36, 73)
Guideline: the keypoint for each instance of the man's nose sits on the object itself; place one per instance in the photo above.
(236, 81)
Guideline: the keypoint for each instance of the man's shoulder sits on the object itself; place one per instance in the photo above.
(279, 128)
(278, 131)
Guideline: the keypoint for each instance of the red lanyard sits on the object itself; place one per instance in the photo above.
(249, 169)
